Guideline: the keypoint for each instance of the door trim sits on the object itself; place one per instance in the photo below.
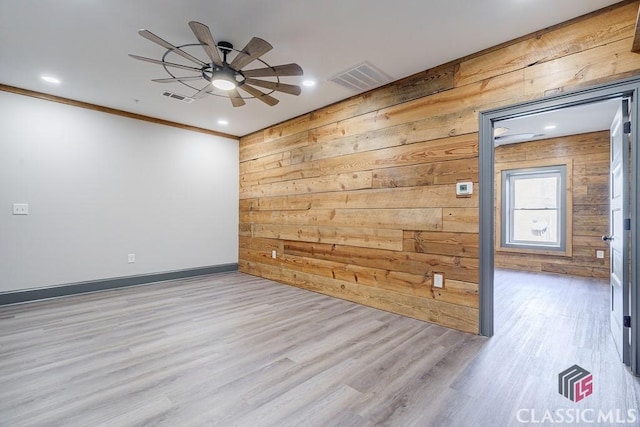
(628, 87)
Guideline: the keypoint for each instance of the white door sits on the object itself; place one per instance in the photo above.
(618, 231)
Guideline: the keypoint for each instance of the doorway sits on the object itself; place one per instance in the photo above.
(489, 121)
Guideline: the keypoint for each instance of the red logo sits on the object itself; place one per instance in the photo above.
(575, 383)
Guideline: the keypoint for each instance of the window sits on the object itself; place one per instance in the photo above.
(534, 206)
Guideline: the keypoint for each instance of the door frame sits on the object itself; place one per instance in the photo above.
(623, 88)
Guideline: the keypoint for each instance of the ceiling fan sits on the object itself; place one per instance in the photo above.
(224, 78)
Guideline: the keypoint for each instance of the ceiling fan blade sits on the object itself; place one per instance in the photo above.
(267, 99)
(177, 79)
(278, 70)
(235, 98)
(168, 64)
(253, 50)
(280, 87)
(203, 34)
(152, 37)
(202, 92)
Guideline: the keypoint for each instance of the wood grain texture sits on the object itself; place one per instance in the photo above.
(360, 237)
(590, 195)
(421, 264)
(456, 244)
(636, 37)
(602, 29)
(417, 286)
(459, 147)
(434, 196)
(415, 219)
(389, 159)
(429, 173)
(416, 86)
(321, 184)
(266, 147)
(600, 64)
(236, 350)
(431, 310)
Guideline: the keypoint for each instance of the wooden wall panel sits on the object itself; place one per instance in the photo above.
(350, 236)
(590, 210)
(358, 198)
(581, 69)
(452, 315)
(428, 173)
(320, 184)
(413, 87)
(455, 244)
(547, 46)
(267, 146)
(387, 198)
(427, 219)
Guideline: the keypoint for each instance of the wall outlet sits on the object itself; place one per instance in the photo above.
(438, 280)
(20, 209)
(274, 254)
(600, 254)
(131, 258)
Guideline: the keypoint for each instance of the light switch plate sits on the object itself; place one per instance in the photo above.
(20, 209)
(600, 254)
(438, 280)
(274, 254)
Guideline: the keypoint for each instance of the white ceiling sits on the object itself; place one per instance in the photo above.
(85, 44)
(591, 117)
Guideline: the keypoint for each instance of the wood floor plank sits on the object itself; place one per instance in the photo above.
(236, 350)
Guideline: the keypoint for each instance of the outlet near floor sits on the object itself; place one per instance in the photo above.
(131, 258)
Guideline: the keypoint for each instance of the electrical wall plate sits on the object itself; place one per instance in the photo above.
(438, 280)
(464, 189)
(21, 209)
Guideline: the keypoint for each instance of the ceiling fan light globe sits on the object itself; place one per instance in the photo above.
(223, 84)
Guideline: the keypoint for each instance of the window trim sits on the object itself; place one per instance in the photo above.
(566, 207)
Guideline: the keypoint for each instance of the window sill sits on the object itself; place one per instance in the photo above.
(566, 253)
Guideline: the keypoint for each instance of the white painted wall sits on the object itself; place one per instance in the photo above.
(101, 186)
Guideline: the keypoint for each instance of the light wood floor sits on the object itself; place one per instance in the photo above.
(235, 350)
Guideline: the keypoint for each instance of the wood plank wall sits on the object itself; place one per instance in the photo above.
(590, 188)
(358, 198)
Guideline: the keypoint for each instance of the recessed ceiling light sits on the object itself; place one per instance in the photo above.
(50, 79)
(223, 122)
(550, 127)
(309, 83)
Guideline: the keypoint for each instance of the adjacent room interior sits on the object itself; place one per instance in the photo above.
(207, 223)
(552, 208)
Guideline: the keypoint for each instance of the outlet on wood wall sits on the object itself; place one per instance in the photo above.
(358, 198)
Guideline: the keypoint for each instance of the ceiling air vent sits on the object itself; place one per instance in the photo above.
(361, 78)
(182, 98)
